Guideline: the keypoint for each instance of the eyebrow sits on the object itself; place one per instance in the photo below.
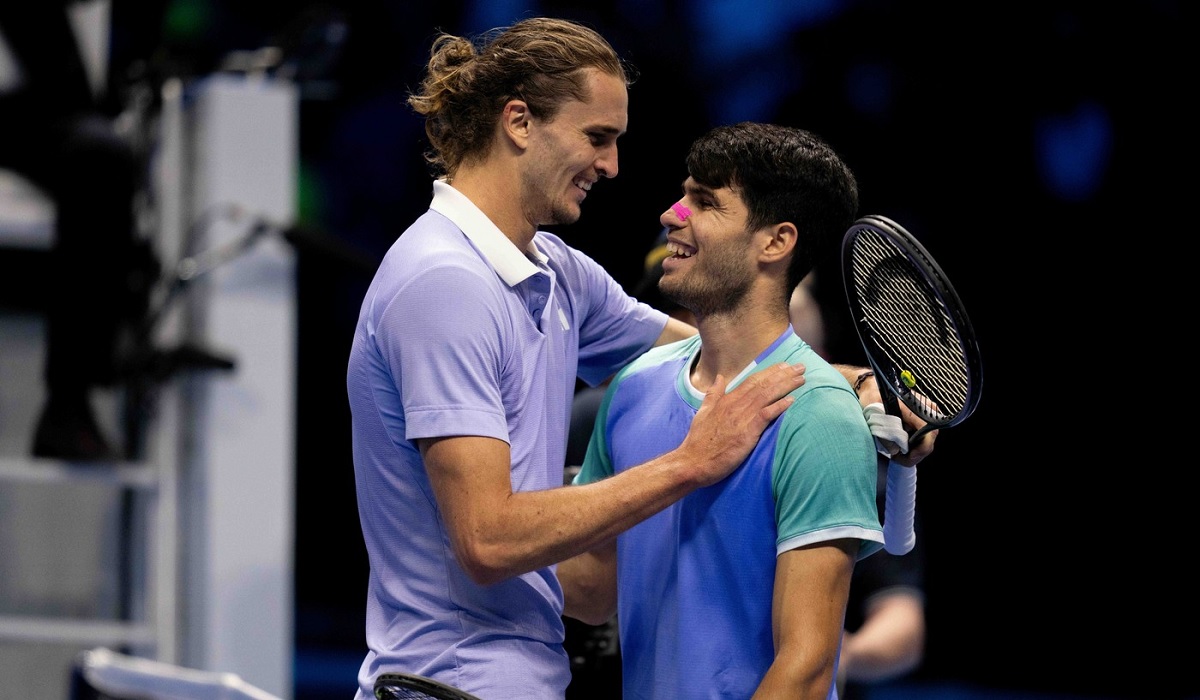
(604, 129)
(690, 186)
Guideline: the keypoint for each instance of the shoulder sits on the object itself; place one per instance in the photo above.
(430, 269)
(433, 250)
(825, 398)
(564, 258)
(431, 237)
(819, 375)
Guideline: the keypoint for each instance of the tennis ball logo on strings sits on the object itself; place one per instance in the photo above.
(907, 377)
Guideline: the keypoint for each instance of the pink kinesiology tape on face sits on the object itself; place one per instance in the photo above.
(681, 211)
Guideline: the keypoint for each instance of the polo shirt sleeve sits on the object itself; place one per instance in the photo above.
(824, 473)
(442, 336)
(614, 328)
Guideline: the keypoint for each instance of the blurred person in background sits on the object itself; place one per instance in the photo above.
(58, 130)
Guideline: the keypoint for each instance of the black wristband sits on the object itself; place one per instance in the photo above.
(862, 378)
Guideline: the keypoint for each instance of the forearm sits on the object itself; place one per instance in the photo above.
(586, 516)
(498, 534)
(865, 386)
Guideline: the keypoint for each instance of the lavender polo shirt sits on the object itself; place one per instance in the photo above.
(462, 333)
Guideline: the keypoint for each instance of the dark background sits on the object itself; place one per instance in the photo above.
(1036, 149)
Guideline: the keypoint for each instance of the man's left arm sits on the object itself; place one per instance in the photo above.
(865, 385)
(812, 585)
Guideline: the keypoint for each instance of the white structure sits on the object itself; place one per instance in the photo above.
(211, 547)
(240, 142)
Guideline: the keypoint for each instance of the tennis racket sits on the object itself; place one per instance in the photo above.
(406, 686)
(919, 342)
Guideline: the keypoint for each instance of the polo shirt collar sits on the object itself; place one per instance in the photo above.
(505, 258)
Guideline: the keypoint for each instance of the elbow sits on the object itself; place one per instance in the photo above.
(485, 575)
(482, 563)
(483, 569)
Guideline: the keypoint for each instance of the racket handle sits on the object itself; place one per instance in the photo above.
(900, 509)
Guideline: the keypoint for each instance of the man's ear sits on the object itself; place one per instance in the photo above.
(780, 242)
(515, 123)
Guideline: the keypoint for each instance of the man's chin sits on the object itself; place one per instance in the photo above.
(567, 216)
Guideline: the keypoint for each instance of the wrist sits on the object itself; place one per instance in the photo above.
(863, 377)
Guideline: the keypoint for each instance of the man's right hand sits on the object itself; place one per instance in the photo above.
(728, 425)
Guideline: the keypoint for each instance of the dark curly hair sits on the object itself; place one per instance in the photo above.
(783, 174)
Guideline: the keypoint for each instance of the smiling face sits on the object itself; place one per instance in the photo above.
(712, 265)
(570, 153)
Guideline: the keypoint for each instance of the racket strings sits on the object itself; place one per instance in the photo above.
(911, 327)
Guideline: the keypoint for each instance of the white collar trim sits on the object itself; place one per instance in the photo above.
(505, 258)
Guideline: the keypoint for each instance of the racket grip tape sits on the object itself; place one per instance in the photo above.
(900, 507)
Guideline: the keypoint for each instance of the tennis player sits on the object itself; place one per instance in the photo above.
(739, 588)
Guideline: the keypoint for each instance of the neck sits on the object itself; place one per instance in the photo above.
(731, 341)
(498, 197)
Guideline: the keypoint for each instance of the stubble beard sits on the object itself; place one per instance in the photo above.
(561, 213)
(718, 291)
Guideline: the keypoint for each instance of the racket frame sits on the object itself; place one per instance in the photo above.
(938, 286)
(429, 688)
